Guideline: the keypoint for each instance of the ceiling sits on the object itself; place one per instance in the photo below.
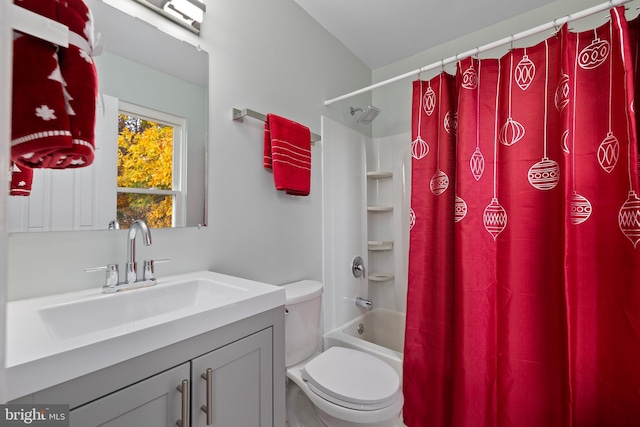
(381, 32)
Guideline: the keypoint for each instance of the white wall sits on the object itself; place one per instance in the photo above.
(267, 56)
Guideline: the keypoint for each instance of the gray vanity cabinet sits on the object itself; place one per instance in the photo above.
(237, 379)
(153, 402)
(245, 362)
(239, 384)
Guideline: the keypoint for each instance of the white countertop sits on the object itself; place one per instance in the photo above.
(39, 357)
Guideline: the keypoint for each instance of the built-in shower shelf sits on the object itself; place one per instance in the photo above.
(380, 245)
(380, 208)
(379, 174)
(380, 277)
(380, 225)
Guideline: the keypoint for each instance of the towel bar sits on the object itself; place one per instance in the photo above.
(238, 116)
(39, 26)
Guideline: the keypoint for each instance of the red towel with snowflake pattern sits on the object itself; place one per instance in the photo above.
(40, 124)
(55, 91)
(79, 71)
(21, 179)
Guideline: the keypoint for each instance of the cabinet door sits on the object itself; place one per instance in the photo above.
(154, 402)
(240, 383)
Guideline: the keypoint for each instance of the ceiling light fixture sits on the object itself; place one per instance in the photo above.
(190, 11)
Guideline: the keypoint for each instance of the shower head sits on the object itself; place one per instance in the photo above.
(367, 115)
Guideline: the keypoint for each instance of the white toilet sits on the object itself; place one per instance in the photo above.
(339, 387)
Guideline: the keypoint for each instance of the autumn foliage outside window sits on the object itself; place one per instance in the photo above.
(145, 171)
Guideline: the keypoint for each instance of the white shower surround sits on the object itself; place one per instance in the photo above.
(347, 156)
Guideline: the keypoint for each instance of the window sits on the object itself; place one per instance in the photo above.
(151, 174)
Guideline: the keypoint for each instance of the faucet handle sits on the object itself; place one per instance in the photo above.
(149, 271)
(112, 276)
(357, 267)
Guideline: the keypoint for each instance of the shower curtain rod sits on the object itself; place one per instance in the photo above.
(556, 23)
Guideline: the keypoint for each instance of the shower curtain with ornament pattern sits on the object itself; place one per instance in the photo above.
(523, 307)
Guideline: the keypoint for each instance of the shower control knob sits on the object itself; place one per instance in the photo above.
(357, 267)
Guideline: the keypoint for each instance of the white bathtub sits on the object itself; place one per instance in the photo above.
(383, 336)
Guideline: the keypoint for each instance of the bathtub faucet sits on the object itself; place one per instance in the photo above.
(361, 302)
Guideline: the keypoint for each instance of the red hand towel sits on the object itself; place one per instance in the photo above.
(21, 179)
(39, 123)
(287, 151)
(79, 71)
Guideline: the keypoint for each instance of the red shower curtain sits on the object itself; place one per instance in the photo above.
(523, 306)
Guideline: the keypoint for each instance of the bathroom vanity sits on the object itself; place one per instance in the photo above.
(228, 373)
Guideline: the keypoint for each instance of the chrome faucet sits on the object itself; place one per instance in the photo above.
(366, 303)
(112, 281)
(138, 224)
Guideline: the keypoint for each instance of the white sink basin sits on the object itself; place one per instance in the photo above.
(108, 311)
(56, 338)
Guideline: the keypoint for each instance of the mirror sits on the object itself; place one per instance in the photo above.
(143, 71)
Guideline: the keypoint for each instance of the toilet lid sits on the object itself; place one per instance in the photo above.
(352, 379)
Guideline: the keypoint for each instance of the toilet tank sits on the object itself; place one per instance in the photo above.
(302, 320)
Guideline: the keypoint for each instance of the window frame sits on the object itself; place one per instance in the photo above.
(179, 173)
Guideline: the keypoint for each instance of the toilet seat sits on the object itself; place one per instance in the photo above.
(352, 379)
